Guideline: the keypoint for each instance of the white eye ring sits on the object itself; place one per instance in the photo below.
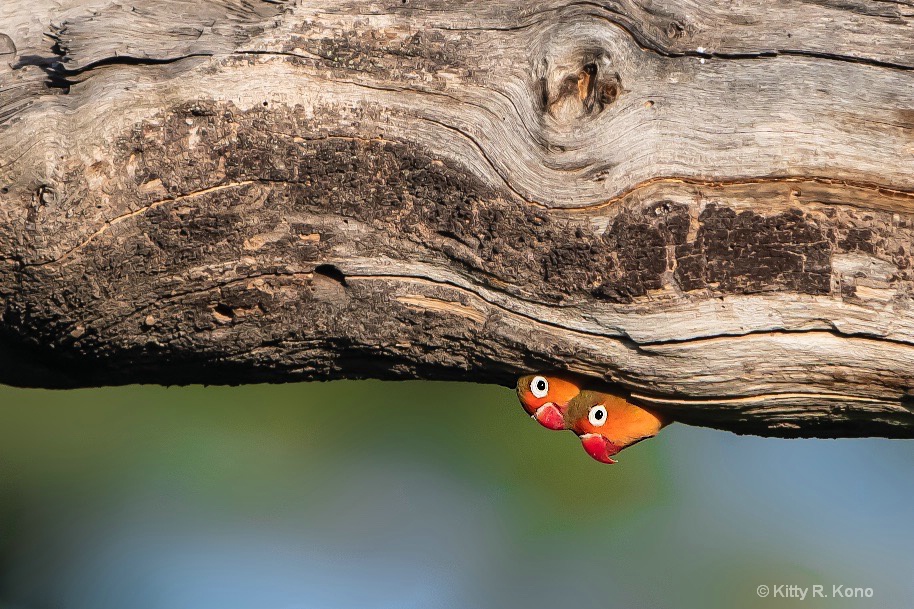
(597, 415)
(539, 386)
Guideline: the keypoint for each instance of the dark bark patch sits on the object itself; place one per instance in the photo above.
(744, 252)
(859, 240)
(638, 241)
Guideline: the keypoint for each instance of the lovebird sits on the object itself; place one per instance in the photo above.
(605, 422)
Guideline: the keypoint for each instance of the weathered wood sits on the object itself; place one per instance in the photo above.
(710, 204)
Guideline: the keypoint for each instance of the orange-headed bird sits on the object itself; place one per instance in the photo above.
(607, 423)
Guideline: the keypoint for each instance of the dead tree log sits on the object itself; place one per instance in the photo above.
(709, 204)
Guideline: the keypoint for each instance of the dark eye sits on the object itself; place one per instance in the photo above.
(597, 415)
(539, 386)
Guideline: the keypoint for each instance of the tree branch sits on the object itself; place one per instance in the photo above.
(710, 206)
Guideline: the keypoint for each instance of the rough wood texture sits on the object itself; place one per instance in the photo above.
(710, 203)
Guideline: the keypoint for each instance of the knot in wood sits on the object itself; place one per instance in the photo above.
(580, 87)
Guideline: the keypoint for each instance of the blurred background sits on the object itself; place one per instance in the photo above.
(417, 494)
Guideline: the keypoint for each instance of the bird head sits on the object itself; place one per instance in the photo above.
(545, 397)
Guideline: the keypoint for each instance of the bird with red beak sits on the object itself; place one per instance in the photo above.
(546, 397)
(607, 423)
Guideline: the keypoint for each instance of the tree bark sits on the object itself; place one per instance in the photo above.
(709, 204)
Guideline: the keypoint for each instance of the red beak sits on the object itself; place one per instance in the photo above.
(599, 447)
(549, 416)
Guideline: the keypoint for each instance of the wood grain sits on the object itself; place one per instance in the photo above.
(710, 204)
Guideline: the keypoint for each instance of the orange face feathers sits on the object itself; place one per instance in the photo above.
(546, 397)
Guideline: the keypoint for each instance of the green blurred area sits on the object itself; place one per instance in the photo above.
(215, 437)
(355, 494)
